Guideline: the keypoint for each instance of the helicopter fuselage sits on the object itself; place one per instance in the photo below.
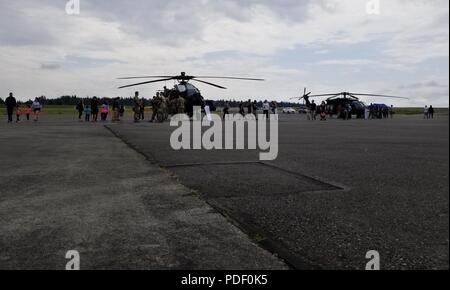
(190, 94)
(358, 107)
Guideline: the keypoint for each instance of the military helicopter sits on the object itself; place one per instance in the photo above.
(184, 88)
(337, 100)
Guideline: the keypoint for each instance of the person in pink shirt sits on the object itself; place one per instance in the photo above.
(104, 111)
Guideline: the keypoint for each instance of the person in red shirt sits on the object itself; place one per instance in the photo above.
(28, 112)
(18, 113)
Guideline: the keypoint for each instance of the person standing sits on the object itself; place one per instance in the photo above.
(122, 111)
(323, 112)
(155, 106)
(348, 109)
(425, 113)
(226, 110)
(313, 110)
(116, 109)
(241, 108)
(274, 107)
(391, 111)
(181, 105)
(104, 111)
(10, 103)
(28, 112)
(18, 113)
(87, 113)
(37, 108)
(366, 113)
(80, 109)
(371, 111)
(136, 107)
(266, 109)
(163, 112)
(142, 109)
(255, 109)
(249, 107)
(431, 112)
(94, 109)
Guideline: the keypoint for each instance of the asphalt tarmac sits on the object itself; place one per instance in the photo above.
(74, 186)
(337, 190)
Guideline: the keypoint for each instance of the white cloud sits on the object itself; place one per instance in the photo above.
(118, 38)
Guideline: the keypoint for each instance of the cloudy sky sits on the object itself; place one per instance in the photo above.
(325, 45)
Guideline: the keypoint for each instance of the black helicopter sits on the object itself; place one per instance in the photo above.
(340, 100)
(184, 89)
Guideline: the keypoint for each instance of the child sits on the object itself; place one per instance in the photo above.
(28, 112)
(18, 113)
(87, 112)
(104, 112)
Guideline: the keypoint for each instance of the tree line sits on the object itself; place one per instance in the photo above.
(74, 100)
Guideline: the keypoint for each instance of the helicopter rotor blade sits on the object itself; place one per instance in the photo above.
(380, 96)
(229, 78)
(211, 84)
(325, 95)
(186, 77)
(145, 77)
(144, 83)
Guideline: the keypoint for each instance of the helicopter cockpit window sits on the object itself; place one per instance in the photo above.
(181, 88)
(192, 89)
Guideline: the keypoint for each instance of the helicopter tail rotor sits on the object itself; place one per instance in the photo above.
(305, 95)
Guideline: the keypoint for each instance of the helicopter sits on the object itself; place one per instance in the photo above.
(184, 88)
(336, 100)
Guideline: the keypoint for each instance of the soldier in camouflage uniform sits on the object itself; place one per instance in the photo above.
(162, 112)
(172, 105)
(155, 106)
(180, 105)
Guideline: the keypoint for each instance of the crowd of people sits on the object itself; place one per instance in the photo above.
(377, 111)
(162, 107)
(346, 111)
(15, 108)
(91, 110)
(252, 107)
(166, 103)
(323, 110)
